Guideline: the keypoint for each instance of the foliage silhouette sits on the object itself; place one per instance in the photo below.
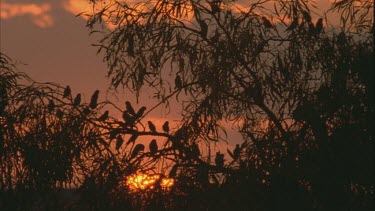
(298, 89)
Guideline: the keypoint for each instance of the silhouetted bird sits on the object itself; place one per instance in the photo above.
(138, 148)
(129, 120)
(293, 25)
(104, 116)
(319, 25)
(312, 30)
(219, 159)
(341, 38)
(67, 92)
(306, 16)
(195, 150)
(215, 8)
(281, 68)
(178, 82)
(151, 126)
(204, 27)
(153, 147)
(236, 152)
(129, 108)
(255, 92)
(173, 171)
(113, 134)
(94, 99)
(126, 116)
(140, 112)
(119, 142)
(59, 114)
(166, 127)
(51, 105)
(77, 100)
(267, 23)
(86, 110)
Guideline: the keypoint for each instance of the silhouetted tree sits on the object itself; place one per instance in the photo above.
(299, 88)
(50, 141)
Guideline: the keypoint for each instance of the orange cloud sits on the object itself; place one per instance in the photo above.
(87, 9)
(76, 7)
(38, 12)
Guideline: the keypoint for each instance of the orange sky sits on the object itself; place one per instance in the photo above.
(51, 44)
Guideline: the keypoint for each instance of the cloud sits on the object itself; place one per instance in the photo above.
(87, 9)
(40, 13)
(76, 7)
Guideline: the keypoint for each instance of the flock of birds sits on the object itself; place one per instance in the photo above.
(130, 117)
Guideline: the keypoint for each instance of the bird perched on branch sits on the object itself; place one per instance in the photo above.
(166, 127)
(319, 25)
(51, 105)
(59, 113)
(77, 100)
(215, 6)
(204, 27)
(195, 150)
(94, 99)
(153, 147)
(219, 159)
(140, 112)
(67, 92)
(129, 120)
(178, 82)
(255, 93)
(306, 16)
(236, 152)
(137, 149)
(151, 126)
(293, 25)
(86, 111)
(130, 108)
(104, 116)
(119, 142)
(267, 23)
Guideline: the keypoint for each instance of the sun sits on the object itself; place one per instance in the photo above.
(143, 181)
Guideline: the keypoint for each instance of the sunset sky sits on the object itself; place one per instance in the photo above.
(51, 44)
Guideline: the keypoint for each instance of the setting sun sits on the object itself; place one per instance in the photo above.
(143, 181)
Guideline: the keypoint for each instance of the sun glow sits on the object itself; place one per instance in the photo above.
(143, 181)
